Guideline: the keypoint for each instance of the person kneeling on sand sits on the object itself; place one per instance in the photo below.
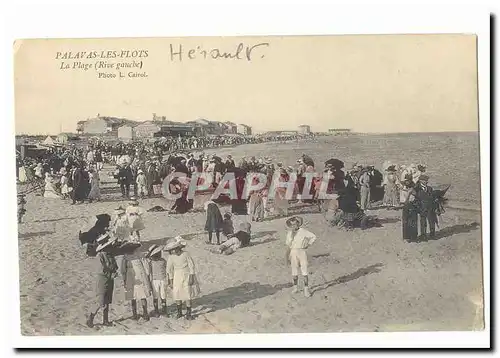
(182, 275)
(298, 240)
(236, 241)
(157, 269)
(105, 279)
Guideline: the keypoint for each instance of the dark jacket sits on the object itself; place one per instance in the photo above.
(425, 199)
(125, 175)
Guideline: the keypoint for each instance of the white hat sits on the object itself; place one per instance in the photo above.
(119, 211)
(175, 243)
(153, 249)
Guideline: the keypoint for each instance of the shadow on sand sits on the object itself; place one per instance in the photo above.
(59, 219)
(388, 220)
(352, 276)
(234, 296)
(450, 231)
(260, 234)
(29, 235)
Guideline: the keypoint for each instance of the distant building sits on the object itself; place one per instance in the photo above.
(244, 129)
(126, 133)
(232, 128)
(203, 127)
(338, 131)
(146, 129)
(103, 125)
(304, 129)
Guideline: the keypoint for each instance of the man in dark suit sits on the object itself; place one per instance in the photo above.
(426, 205)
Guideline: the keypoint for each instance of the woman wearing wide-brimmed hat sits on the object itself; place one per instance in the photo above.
(105, 279)
(136, 281)
(182, 275)
(298, 240)
(391, 188)
(280, 202)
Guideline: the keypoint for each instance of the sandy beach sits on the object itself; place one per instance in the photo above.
(360, 280)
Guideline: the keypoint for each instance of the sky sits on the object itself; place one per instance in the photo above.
(372, 83)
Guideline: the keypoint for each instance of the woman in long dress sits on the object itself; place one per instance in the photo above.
(391, 189)
(256, 206)
(214, 222)
(95, 191)
(280, 201)
(182, 275)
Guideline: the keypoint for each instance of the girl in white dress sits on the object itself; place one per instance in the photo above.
(65, 189)
(50, 190)
(120, 226)
(134, 215)
(182, 275)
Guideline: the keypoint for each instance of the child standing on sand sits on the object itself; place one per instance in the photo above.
(157, 271)
(298, 240)
(134, 214)
(105, 279)
(120, 226)
(182, 275)
(65, 189)
(142, 185)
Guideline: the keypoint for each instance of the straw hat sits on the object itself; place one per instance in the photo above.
(293, 219)
(153, 250)
(119, 210)
(133, 201)
(106, 244)
(140, 171)
(175, 243)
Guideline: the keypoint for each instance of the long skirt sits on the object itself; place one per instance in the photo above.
(95, 192)
(280, 205)
(409, 221)
(391, 195)
(256, 207)
(104, 290)
(137, 285)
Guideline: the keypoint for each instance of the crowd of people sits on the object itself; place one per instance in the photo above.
(140, 170)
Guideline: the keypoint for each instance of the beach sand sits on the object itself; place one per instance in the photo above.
(360, 280)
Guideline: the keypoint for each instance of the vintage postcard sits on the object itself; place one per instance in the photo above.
(280, 184)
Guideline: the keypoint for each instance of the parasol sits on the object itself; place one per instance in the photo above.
(336, 163)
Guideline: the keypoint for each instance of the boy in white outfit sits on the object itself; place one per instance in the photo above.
(298, 240)
(142, 187)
